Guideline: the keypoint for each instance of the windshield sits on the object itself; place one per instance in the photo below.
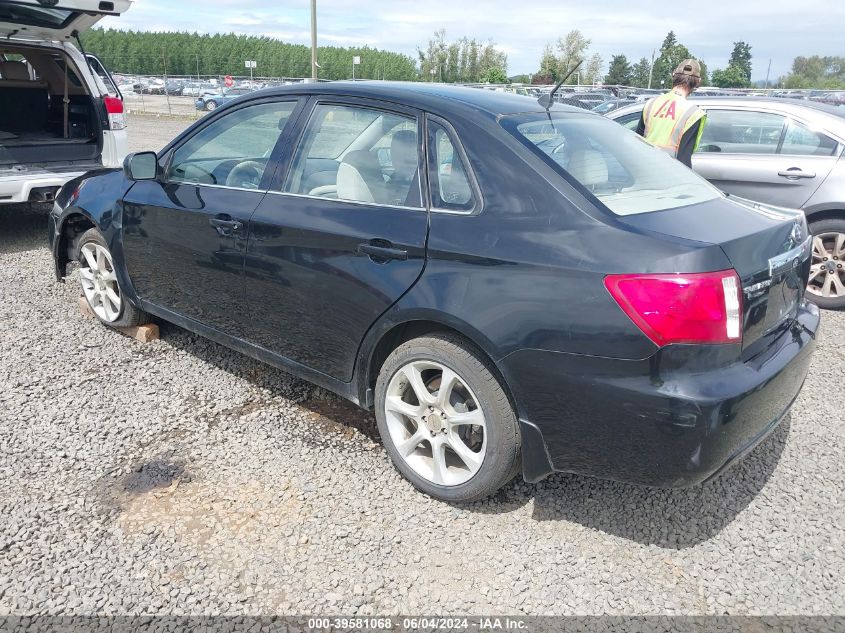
(615, 165)
(35, 16)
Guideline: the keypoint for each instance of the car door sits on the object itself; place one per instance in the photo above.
(184, 234)
(340, 236)
(763, 155)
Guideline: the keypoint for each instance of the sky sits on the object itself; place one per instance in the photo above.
(776, 29)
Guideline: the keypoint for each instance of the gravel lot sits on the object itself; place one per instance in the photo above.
(180, 477)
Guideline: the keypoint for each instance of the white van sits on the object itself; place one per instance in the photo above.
(60, 112)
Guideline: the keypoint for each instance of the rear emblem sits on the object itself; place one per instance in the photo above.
(797, 234)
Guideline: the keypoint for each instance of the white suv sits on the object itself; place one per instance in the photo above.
(60, 113)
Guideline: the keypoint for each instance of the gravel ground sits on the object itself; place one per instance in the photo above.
(180, 477)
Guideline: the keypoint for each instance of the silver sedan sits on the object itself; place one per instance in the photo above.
(782, 152)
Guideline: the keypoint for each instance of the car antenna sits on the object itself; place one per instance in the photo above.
(547, 100)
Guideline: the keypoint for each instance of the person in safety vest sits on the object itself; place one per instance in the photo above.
(672, 123)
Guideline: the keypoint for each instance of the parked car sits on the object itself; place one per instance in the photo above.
(780, 152)
(44, 140)
(174, 87)
(213, 101)
(431, 252)
(197, 89)
(610, 106)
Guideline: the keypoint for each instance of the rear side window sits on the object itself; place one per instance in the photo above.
(741, 132)
(450, 186)
(801, 141)
(620, 169)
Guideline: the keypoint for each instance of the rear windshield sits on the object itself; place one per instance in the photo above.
(29, 15)
(613, 164)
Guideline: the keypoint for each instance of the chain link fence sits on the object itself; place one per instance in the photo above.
(192, 96)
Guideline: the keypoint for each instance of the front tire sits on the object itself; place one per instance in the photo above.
(445, 420)
(210, 105)
(100, 286)
(827, 274)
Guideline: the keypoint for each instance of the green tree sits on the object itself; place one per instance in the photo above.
(548, 66)
(816, 72)
(620, 72)
(741, 59)
(496, 76)
(572, 48)
(464, 60)
(640, 72)
(730, 77)
(672, 53)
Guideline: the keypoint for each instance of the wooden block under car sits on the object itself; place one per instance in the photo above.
(143, 333)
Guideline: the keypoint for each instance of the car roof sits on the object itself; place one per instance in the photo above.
(435, 98)
(780, 103)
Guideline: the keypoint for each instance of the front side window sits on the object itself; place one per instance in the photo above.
(358, 154)
(741, 132)
(620, 169)
(801, 141)
(234, 150)
(450, 188)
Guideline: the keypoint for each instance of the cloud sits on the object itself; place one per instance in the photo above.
(779, 31)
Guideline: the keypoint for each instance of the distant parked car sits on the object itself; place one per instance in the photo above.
(198, 89)
(782, 152)
(610, 106)
(174, 87)
(211, 102)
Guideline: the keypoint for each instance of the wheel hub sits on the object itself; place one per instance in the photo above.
(831, 266)
(434, 421)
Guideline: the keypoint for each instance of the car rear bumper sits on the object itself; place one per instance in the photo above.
(16, 189)
(655, 422)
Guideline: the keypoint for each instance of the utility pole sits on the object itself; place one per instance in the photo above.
(314, 40)
(768, 70)
(651, 69)
(166, 90)
(198, 68)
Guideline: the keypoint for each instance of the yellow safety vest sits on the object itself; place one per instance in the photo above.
(667, 118)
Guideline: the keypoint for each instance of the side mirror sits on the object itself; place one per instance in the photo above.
(141, 166)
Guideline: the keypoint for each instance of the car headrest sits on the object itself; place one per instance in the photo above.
(14, 70)
(403, 152)
(588, 167)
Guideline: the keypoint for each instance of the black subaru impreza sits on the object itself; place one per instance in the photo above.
(509, 286)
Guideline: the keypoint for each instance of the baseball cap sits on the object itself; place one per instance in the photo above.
(689, 67)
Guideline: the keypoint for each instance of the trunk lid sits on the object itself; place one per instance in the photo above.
(769, 248)
(54, 20)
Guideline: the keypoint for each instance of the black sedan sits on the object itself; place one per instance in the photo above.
(509, 287)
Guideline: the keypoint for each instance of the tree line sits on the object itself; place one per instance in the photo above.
(157, 53)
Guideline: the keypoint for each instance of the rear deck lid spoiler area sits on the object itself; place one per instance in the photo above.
(55, 20)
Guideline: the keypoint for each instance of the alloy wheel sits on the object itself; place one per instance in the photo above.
(827, 274)
(436, 423)
(99, 282)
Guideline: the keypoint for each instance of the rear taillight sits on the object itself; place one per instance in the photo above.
(114, 108)
(682, 308)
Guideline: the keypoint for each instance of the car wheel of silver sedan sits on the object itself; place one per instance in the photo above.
(445, 420)
(826, 287)
(100, 286)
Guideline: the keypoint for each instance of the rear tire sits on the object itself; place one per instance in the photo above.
(460, 446)
(210, 106)
(828, 265)
(99, 283)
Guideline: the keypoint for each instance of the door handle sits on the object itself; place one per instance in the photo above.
(796, 172)
(226, 222)
(382, 252)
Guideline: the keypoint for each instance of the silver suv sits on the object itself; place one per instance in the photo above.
(783, 152)
(60, 113)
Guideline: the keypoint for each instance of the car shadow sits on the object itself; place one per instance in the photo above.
(668, 518)
(23, 227)
(331, 412)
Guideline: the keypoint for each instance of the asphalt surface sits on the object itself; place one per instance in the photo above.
(180, 477)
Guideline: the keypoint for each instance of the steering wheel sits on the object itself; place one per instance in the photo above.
(246, 175)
